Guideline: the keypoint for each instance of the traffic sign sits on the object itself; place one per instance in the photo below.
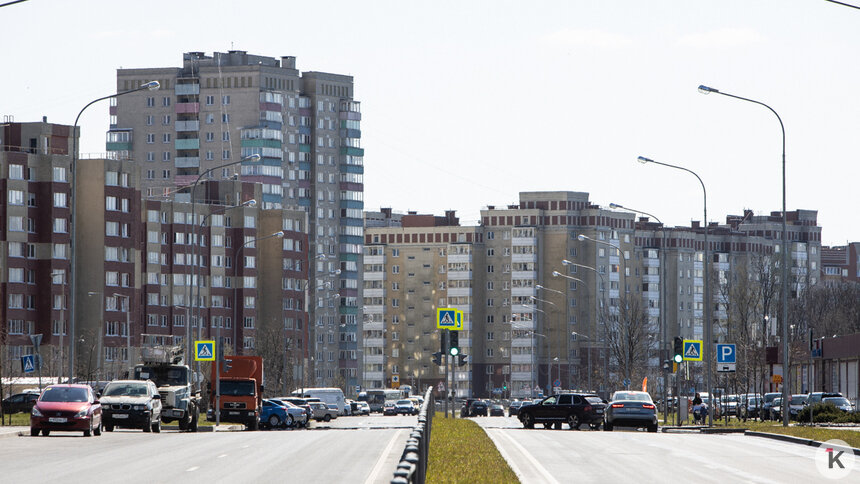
(204, 351)
(446, 318)
(358, 389)
(556, 383)
(726, 353)
(440, 387)
(693, 349)
(28, 363)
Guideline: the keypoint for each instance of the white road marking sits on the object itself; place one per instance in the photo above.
(222, 455)
(381, 461)
(192, 469)
(539, 468)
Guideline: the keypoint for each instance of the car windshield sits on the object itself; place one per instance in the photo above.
(837, 401)
(170, 376)
(125, 389)
(237, 388)
(753, 401)
(404, 402)
(64, 394)
(798, 399)
(594, 400)
(635, 396)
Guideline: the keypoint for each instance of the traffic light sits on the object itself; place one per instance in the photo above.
(678, 350)
(461, 359)
(454, 347)
(226, 365)
(443, 342)
(437, 358)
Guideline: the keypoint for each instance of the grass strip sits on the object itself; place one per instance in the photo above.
(461, 452)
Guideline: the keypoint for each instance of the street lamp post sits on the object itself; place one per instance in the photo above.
(622, 294)
(151, 86)
(558, 323)
(785, 249)
(100, 332)
(558, 274)
(195, 242)
(549, 357)
(596, 311)
(62, 326)
(709, 337)
(548, 348)
(664, 331)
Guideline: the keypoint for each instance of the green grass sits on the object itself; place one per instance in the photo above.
(19, 419)
(851, 437)
(461, 452)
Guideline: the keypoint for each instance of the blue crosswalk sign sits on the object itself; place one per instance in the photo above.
(204, 351)
(28, 363)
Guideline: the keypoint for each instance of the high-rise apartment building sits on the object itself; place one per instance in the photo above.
(214, 111)
(556, 287)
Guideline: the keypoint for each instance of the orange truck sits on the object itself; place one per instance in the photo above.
(237, 387)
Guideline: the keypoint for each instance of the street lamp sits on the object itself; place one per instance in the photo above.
(548, 343)
(195, 242)
(279, 233)
(785, 249)
(664, 330)
(548, 332)
(151, 86)
(99, 334)
(575, 279)
(127, 327)
(596, 311)
(622, 295)
(62, 324)
(709, 338)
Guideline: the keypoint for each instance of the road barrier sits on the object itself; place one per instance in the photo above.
(412, 467)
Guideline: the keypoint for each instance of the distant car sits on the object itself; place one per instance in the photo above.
(478, 408)
(405, 407)
(775, 410)
(514, 407)
(841, 403)
(363, 408)
(748, 406)
(320, 412)
(767, 403)
(730, 404)
(795, 405)
(465, 410)
(631, 409)
(299, 416)
(301, 403)
(20, 402)
(389, 408)
(574, 409)
(131, 404)
(818, 397)
(67, 407)
(274, 415)
(497, 410)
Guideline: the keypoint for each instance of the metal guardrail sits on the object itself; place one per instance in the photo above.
(413, 462)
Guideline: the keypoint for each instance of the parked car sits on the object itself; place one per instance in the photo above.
(729, 404)
(131, 404)
(574, 409)
(631, 409)
(496, 410)
(841, 403)
(749, 405)
(320, 411)
(818, 397)
(298, 416)
(301, 403)
(465, 410)
(274, 415)
(795, 405)
(20, 402)
(767, 403)
(417, 403)
(67, 407)
(775, 410)
(514, 407)
(363, 408)
(405, 407)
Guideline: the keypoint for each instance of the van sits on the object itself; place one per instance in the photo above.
(333, 396)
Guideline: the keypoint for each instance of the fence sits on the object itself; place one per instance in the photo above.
(413, 462)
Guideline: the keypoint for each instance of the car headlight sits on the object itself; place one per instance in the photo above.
(36, 412)
(139, 407)
(81, 414)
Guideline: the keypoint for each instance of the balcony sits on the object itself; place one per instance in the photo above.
(524, 258)
(459, 258)
(522, 291)
(374, 342)
(187, 144)
(374, 276)
(187, 108)
(261, 143)
(459, 275)
(118, 146)
(374, 259)
(521, 375)
(521, 359)
(187, 161)
(182, 126)
(379, 292)
(187, 89)
(524, 275)
(349, 150)
(456, 291)
(524, 241)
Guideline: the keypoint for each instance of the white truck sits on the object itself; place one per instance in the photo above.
(332, 396)
(177, 384)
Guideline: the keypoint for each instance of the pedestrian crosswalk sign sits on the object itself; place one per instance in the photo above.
(28, 363)
(693, 349)
(449, 318)
(204, 351)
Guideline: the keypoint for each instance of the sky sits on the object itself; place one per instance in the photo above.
(467, 103)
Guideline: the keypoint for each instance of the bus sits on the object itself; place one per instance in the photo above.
(377, 397)
(332, 396)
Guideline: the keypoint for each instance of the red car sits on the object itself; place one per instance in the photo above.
(66, 408)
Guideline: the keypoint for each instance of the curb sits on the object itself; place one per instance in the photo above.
(722, 430)
(795, 440)
(11, 434)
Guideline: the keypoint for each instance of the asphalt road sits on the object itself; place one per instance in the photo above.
(556, 456)
(346, 450)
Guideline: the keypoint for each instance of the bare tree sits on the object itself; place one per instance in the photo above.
(628, 339)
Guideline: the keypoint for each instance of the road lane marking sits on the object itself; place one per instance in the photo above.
(539, 468)
(381, 461)
(192, 469)
(222, 455)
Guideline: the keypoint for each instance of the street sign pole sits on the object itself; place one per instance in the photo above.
(36, 339)
(447, 380)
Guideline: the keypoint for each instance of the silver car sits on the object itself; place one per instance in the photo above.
(631, 409)
(131, 404)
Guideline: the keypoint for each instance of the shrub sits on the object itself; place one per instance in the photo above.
(827, 413)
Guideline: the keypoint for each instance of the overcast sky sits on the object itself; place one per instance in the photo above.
(467, 103)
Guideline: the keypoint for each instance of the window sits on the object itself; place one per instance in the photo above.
(165, 138)
(210, 100)
(165, 101)
(150, 138)
(225, 100)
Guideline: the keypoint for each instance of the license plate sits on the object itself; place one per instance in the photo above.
(177, 413)
(599, 410)
(57, 419)
(233, 413)
(120, 415)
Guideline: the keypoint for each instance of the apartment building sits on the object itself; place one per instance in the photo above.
(215, 111)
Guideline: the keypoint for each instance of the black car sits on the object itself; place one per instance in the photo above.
(497, 410)
(478, 407)
(767, 403)
(465, 410)
(573, 409)
(21, 402)
(514, 407)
